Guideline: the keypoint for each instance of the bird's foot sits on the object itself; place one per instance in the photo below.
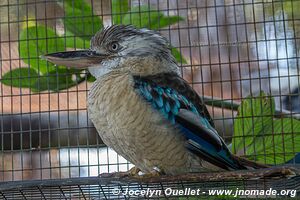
(155, 172)
(134, 171)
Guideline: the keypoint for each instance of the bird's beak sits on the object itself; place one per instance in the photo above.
(77, 59)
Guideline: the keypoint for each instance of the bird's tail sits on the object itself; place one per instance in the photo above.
(248, 163)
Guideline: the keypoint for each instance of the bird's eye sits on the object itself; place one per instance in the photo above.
(114, 46)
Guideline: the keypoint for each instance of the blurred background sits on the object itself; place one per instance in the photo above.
(227, 50)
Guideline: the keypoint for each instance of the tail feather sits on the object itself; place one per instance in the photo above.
(248, 163)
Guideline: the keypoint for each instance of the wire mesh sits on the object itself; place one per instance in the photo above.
(95, 188)
(229, 49)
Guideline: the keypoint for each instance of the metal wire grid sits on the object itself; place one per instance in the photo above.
(95, 188)
(34, 140)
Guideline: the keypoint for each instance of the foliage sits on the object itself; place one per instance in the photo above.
(262, 137)
(79, 19)
(36, 40)
(144, 17)
(288, 12)
(22, 77)
(80, 25)
(119, 9)
(291, 8)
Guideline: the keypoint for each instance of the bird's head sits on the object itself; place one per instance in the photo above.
(123, 49)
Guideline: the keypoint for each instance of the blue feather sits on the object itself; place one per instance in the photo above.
(205, 122)
(145, 92)
(186, 102)
(159, 101)
(153, 103)
(167, 107)
(174, 107)
(201, 134)
(168, 91)
(175, 97)
(166, 98)
(210, 149)
(171, 117)
(159, 90)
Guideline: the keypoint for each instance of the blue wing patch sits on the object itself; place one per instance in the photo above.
(202, 137)
(168, 101)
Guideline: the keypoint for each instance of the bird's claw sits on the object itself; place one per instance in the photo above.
(134, 171)
(155, 172)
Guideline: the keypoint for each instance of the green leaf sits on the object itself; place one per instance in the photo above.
(79, 19)
(90, 78)
(78, 4)
(60, 79)
(282, 143)
(166, 21)
(75, 42)
(119, 9)
(21, 77)
(142, 16)
(253, 116)
(264, 138)
(36, 41)
(178, 56)
(147, 17)
(290, 8)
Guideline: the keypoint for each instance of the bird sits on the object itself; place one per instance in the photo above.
(143, 109)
